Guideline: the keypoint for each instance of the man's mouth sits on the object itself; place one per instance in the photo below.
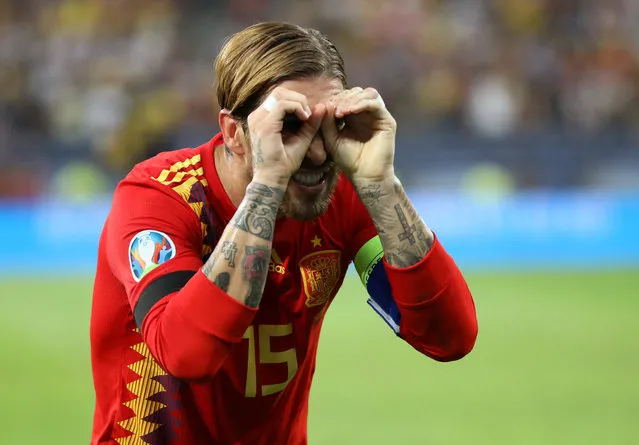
(310, 178)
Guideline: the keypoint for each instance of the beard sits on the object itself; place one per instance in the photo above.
(298, 204)
(304, 206)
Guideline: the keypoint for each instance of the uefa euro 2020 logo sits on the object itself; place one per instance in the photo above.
(149, 249)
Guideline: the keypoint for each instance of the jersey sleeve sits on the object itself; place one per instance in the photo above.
(141, 217)
(428, 304)
(154, 246)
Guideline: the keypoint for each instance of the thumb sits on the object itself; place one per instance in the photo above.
(329, 129)
(311, 126)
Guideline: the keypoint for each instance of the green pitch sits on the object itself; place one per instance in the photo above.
(557, 362)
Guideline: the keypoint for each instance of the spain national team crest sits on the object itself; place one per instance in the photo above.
(320, 274)
(149, 249)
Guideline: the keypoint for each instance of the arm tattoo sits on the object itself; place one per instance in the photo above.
(207, 269)
(404, 236)
(250, 233)
(255, 269)
(371, 192)
(259, 157)
(408, 233)
(229, 250)
(258, 211)
(222, 281)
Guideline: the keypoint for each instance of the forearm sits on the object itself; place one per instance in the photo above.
(191, 332)
(239, 263)
(404, 236)
(436, 309)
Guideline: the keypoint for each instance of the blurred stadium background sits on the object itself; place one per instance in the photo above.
(518, 141)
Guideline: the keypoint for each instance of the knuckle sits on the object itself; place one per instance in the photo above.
(284, 104)
(277, 93)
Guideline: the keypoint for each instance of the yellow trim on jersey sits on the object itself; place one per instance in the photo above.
(177, 167)
(181, 177)
(144, 387)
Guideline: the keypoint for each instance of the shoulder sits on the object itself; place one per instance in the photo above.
(170, 168)
(166, 184)
(177, 173)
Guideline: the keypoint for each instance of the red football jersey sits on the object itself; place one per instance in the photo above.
(167, 216)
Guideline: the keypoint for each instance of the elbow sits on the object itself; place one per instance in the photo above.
(459, 345)
(187, 354)
(183, 350)
(190, 367)
(456, 337)
(447, 345)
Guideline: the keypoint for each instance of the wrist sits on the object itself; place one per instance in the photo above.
(273, 181)
(386, 186)
(378, 194)
(385, 177)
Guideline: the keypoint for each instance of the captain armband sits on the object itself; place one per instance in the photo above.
(370, 267)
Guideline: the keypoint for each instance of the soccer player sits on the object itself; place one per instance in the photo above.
(217, 264)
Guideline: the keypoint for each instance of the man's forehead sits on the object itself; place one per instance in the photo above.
(316, 89)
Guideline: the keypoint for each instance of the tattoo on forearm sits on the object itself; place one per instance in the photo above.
(264, 190)
(404, 236)
(259, 156)
(258, 211)
(370, 193)
(229, 250)
(255, 216)
(401, 257)
(255, 269)
(207, 268)
(222, 281)
(409, 230)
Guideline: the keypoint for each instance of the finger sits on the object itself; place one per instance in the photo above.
(301, 141)
(312, 125)
(274, 111)
(329, 129)
(283, 107)
(277, 96)
(281, 93)
(346, 97)
(352, 102)
(343, 96)
(375, 106)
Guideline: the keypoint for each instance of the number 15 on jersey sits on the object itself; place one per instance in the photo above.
(260, 337)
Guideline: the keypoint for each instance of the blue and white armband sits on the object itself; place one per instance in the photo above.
(370, 267)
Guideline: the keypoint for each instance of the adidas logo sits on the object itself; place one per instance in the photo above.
(275, 264)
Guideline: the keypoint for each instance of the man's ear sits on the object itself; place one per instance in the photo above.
(233, 132)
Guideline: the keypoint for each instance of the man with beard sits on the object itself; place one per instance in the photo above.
(217, 264)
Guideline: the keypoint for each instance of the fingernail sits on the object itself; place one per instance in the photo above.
(307, 110)
(338, 112)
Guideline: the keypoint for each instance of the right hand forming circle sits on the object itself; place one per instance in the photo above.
(278, 150)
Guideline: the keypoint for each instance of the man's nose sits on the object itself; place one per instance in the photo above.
(316, 152)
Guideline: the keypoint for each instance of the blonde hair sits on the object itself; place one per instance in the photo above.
(260, 57)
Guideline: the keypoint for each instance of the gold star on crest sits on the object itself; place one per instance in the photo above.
(317, 241)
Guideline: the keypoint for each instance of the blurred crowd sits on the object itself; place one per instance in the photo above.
(90, 87)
